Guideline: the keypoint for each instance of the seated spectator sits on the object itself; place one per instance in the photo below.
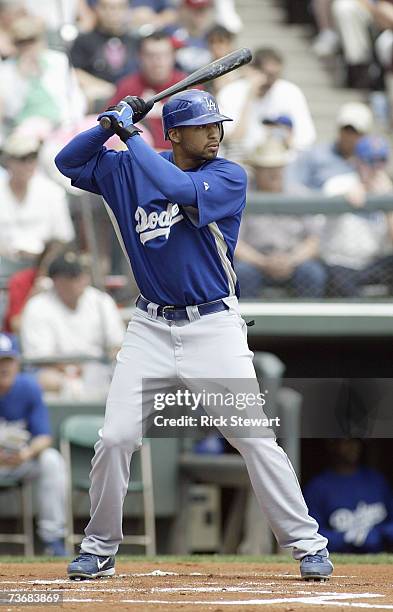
(37, 82)
(195, 17)
(33, 208)
(353, 22)
(351, 503)
(27, 452)
(261, 94)
(159, 14)
(358, 248)
(277, 251)
(327, 42)
(106, 54)
(70, 320)
(26, 283)
(323, 162)
(157, 72)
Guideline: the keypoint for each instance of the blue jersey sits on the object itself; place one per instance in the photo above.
(353, 511)
(180, 254)
(24, 402)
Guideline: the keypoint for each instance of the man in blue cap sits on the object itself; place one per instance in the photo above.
(27, 453)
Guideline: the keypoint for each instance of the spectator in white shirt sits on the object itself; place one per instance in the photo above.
(33, 208)
(263, 93)
(71, 320)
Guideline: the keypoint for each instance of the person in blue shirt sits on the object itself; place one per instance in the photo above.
(353, 504)
(30, 454)
(177, 216)
(323, 162)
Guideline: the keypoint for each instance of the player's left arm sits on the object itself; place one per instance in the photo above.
(215, 192)
(174, 183)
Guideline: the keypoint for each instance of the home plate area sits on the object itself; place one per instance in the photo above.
(217, 586)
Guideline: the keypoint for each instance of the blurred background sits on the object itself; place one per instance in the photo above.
(312, 127)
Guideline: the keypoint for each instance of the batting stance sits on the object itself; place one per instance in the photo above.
(177, 216)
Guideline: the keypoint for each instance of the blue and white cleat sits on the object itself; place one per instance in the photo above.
(87, 566)
(316, 567)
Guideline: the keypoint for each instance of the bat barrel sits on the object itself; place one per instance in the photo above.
(215, 69)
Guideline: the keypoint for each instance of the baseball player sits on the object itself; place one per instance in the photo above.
(177, 216)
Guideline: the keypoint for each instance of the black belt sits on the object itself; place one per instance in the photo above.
(179, 313)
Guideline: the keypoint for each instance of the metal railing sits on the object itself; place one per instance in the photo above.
(311, 204)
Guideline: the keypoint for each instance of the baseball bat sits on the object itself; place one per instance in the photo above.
(211, 71)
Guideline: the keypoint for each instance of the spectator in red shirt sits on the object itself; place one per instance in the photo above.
(27, 282)
(157, 72)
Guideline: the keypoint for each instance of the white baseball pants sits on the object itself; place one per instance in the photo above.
(210, 347)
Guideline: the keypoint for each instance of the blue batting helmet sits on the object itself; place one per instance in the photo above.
(191, 107)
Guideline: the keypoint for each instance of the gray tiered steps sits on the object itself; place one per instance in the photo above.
(264, 25)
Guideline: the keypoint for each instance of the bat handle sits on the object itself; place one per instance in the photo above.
(106, 123)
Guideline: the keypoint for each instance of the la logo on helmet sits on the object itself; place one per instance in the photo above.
(211, 105)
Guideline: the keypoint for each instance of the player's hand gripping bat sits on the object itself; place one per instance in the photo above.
(211, 71)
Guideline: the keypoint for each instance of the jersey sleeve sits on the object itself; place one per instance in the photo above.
(221, 192)
(89, 164)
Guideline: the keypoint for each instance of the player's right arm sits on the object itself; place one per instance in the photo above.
(86, 161)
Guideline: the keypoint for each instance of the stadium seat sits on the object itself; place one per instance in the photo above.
(78, 434)
(23, 488)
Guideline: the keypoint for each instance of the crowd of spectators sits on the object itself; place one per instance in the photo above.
(359, 34)
(62, 62)
(68, 60)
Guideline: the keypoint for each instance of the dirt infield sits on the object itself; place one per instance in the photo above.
(189, 586)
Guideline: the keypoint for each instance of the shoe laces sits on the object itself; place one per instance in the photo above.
(83, 557)
(315, 558)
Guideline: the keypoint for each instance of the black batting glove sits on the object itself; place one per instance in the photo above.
(139, 107)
